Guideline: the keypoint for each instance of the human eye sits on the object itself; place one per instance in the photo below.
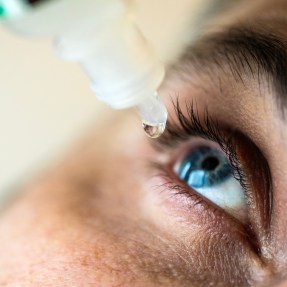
(205, 168)
(211, 170)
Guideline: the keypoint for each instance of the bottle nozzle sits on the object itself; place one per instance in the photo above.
(153, 114)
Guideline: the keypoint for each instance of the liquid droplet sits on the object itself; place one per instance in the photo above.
(153, 131)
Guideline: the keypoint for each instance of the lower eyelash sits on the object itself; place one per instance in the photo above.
(172, 186)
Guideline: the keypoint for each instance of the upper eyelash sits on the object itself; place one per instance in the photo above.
(190, 124)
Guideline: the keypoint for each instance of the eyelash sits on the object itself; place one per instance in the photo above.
(191, 125)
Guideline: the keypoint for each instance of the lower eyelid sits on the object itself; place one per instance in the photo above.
(192, 214)
(182, 199)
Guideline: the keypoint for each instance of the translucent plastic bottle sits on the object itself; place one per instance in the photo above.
(100, 35)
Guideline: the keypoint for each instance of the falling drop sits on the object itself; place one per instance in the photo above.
(153, 131)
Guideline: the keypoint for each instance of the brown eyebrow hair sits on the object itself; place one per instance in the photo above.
(256, 52)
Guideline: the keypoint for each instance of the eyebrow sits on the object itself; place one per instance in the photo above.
(259, 53)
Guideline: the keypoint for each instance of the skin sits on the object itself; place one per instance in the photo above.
(98, 217)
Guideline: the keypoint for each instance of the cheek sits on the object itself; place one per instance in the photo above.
(58, 242)
(81, 223)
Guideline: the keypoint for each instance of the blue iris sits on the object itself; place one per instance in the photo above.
(205, 167)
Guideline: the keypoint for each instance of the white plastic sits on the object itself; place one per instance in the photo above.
(100, 35)
(152, 110)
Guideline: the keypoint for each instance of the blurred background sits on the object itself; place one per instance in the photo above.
(46, 103)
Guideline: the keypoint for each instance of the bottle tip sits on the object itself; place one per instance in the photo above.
(154, 116)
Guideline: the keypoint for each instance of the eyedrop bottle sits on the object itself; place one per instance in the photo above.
(100, 35)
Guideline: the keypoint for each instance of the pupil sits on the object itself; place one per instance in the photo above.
(210, 163)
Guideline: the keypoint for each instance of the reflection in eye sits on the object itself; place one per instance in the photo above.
(208, 171)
